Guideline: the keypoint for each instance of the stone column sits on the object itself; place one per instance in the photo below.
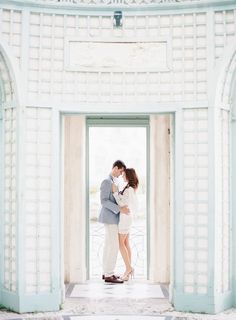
(74, 199)
(160, 198)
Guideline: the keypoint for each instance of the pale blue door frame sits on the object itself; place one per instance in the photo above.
(233, 186)
(118, 121)
(233, 204)
(1, 189)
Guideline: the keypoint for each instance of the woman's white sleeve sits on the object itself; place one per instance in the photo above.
(121, 199)
(132, 200)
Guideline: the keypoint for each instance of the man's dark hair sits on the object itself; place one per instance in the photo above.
(120, 164)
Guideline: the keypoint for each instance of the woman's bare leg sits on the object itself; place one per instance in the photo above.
(128, 247)
(124, 252)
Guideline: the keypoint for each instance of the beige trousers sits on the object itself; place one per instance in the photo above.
(111, 249)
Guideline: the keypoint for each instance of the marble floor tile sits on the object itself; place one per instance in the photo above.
(127, 290)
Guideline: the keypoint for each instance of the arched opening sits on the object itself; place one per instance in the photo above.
(8, 181)
(226, 110)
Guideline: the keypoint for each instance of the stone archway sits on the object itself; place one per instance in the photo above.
(9, 178)
(233, 172)
(230, 98)
(226, 70)
(6, 84)
(225, 110)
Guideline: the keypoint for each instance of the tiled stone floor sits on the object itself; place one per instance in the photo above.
(99, 290)
(131, 301)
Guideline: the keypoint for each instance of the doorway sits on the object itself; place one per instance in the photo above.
(109, 139)
(154, 132)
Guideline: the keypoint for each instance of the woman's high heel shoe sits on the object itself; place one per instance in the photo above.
(126, 275)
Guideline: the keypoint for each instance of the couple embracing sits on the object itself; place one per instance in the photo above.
(116, 215)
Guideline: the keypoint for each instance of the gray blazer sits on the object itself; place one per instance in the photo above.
(110, 212)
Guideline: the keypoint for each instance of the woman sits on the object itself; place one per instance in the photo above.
(126, 197)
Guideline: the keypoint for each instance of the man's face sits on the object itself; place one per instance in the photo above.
(118, 172)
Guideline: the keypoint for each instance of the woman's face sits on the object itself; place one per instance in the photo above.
(124, 177)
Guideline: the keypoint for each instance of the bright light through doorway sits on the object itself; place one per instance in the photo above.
(107, 144)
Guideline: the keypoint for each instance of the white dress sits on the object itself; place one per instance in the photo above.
(129, 199)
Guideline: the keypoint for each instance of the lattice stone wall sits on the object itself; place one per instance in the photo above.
(38, 200)
(186, 79)
(224, 31)
(195, 201)
(11, 30)
(223, 217)
(48, 77)
(49, 80)
(10, 205)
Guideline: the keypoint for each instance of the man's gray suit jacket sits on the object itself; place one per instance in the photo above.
(110, 212)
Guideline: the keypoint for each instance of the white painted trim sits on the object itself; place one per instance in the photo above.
(172, 205)
(186, 6)
(233, 204)
(1, 192)
(21, 124)
(178, 258)
(56, 209)
(212, 191)
(62, 213)
(20, 174)
(148, 107)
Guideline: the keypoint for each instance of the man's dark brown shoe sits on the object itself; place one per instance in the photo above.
(113, 279)
(103, 277)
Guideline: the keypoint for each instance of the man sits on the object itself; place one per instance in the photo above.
(109, 215)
